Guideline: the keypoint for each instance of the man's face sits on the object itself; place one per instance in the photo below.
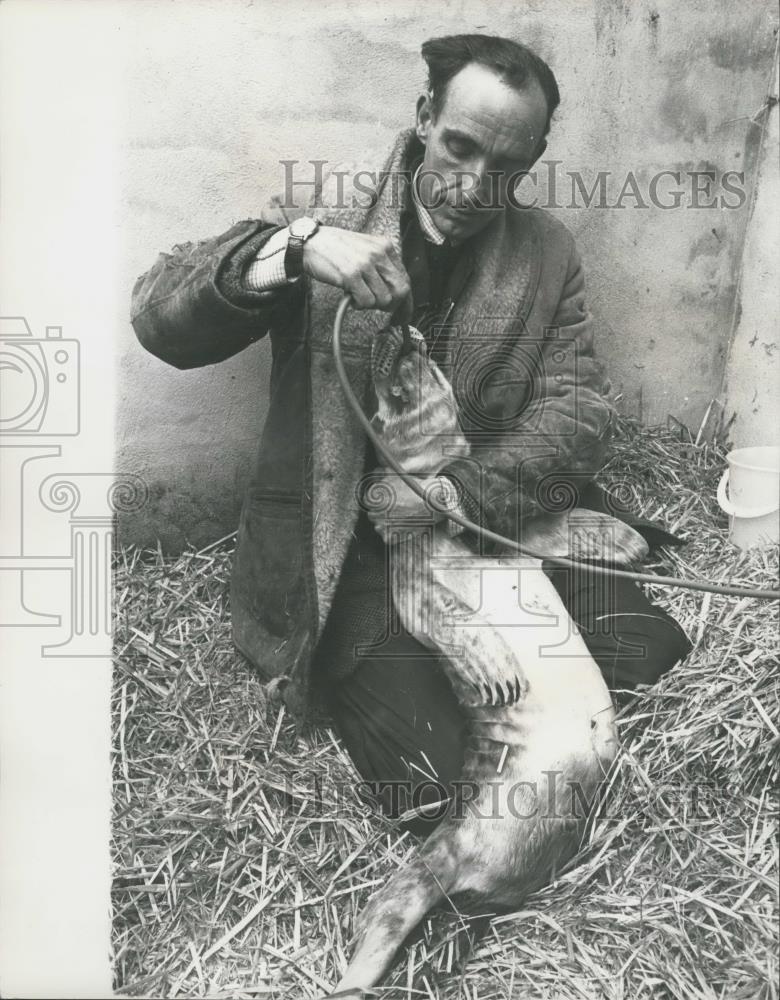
(485, 132)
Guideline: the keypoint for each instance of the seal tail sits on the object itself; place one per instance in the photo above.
(393, 913)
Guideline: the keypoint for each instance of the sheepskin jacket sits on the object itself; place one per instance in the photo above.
(530, 394)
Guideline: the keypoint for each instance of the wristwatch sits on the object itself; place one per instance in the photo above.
(300, 230)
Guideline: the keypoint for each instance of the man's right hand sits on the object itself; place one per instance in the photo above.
(367, 267)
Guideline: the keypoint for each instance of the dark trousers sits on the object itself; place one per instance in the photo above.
(404, 729)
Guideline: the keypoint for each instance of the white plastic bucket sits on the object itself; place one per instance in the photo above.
(749, 492)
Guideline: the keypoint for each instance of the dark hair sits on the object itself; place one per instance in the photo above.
(517, 64)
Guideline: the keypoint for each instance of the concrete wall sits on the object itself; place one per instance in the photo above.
(217, 94)
(752, 379)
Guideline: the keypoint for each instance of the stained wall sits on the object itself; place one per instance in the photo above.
(658, 99)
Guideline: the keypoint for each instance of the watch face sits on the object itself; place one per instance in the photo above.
(303, 227)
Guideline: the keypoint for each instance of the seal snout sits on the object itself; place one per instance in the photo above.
(395, 358)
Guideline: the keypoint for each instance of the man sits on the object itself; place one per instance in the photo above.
(498, 292)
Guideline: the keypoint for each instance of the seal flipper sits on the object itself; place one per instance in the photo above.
(396, 909)
(481, 665)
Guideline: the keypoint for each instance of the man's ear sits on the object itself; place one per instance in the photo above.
(424, 117)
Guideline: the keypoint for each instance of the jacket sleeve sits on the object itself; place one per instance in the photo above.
(560, 440)
(191, 308)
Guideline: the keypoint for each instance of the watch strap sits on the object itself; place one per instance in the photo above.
(293, 258)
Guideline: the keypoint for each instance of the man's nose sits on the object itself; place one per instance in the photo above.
(480, 172)
(479, 181)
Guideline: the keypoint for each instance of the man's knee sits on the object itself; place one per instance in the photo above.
(669, 644)
(632, 640)
(638, 649)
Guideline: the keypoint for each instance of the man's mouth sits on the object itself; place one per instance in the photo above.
(464, 209)
(466, 214)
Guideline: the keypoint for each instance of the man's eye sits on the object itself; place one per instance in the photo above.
(458, 147)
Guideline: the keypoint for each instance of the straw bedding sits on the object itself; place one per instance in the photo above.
(242, 853)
